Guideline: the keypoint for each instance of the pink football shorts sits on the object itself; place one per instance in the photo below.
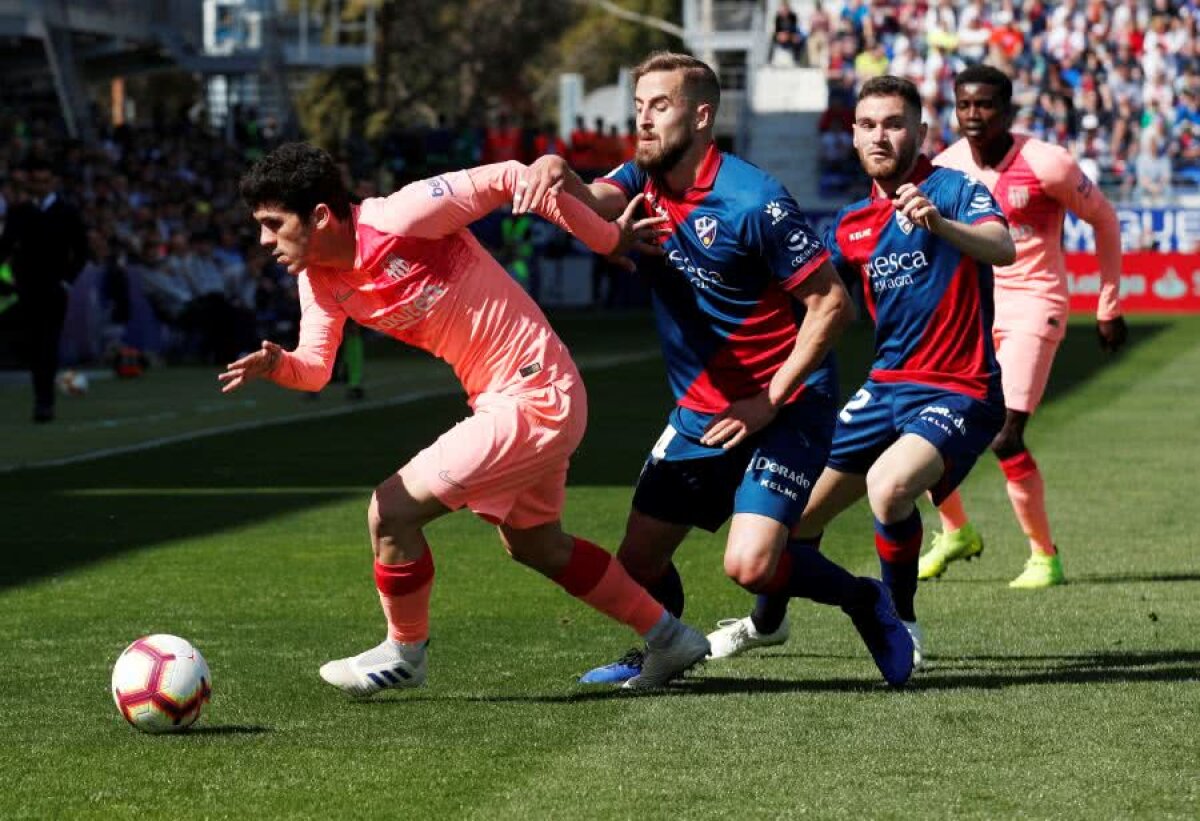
(508, 461)
(1025, 362)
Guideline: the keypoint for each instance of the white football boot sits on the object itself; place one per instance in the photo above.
(918, 637)
(735, 636)
(389, 665)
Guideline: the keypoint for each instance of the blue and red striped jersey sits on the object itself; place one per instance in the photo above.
(726, 318)
(932, 304)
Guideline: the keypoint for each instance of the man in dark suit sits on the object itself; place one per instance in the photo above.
(46, 243)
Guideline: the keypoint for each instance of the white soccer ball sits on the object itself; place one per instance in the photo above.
(72, 383)
(161, 683)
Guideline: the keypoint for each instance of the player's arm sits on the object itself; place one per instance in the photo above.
(549, 175)
(1065, 181)
(307, 368)
(440, 207)
(987, 240)
(828, 310)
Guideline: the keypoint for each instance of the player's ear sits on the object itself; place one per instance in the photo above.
(706, 116)
(321, 216)
(922, 131)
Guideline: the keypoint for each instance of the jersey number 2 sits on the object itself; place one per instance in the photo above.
(857, 402)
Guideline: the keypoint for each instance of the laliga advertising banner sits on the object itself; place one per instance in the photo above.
(1150, 282)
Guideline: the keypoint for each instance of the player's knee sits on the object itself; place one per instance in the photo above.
(750, 572)
(890, 494)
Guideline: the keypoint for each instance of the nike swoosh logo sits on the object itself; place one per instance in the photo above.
(445, 477)
(342, 297)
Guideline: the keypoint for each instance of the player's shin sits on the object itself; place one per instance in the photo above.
(899, 545)
(593, 576)
(952, 513)
(404, 591)
(1027, 492)
(804, 572)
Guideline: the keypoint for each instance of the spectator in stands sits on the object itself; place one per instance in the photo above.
(786, 38)
(820, 30)
(1153, 173)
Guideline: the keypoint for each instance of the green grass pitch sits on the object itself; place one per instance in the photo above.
(1078, 702)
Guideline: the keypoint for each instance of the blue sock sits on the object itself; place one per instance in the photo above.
(899, 546)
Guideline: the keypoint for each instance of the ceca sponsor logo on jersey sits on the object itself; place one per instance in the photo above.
(699, 277)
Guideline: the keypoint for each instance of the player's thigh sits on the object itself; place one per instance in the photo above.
(834, 491)
(1025, 364)
(404, 499)
(690, 492)
(957, 426)
(903, 472)
(786, 459)
(865, 428)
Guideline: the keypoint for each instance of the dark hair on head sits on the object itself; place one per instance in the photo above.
(988, 76)
(38, 162)
(297, 177)
(890, 86)
(700, 82)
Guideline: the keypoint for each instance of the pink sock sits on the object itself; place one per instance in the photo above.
(952, 513)
(594, 577)
(1027, 492)
(404, 595)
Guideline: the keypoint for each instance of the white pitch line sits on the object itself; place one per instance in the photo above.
(586, 363)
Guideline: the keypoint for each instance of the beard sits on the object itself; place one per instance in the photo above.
(659, 158)
(893, 167)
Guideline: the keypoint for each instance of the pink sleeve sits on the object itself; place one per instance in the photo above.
(1064, 180)
(309, 367)
(436, 208)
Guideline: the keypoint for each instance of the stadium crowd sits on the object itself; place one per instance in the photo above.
(174, 258)
(1118, 82)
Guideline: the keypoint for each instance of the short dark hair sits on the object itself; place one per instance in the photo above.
(891, 86)
(296, 176)
(700, 82)
(988, 76)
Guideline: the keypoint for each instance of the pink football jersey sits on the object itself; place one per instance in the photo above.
(1036, 184)
(421, 277)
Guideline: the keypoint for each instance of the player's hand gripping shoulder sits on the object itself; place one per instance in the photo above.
(252, 366)
(988, 242)
(545, 176)
(741, 419)
(639, 236)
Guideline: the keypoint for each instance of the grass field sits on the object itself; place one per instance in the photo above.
(1078, 702)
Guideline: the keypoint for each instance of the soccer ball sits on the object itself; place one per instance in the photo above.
(72, 383)
(160, 684)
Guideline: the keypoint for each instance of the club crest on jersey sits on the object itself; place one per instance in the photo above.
(904, 223)
(706, 230)
(396, 268)
(1018, 196)
(776, 212)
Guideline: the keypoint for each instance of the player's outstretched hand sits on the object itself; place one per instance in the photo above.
(251, 366)
(1112, 333)
(741, 419)
(912, 203)
(637, 235)
(544, 176)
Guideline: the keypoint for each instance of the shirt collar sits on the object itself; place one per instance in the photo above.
(920, 172)
(706, 177)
